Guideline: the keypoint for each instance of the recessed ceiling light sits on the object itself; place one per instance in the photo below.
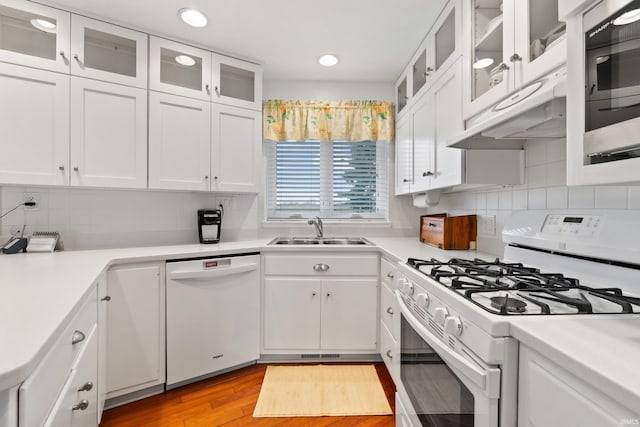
(44, 25)
(192, 17)
(328, 60)
(482, 63)
(185, 60)
(627, 17)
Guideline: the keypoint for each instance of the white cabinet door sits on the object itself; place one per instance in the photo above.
(103, 301)
(447, 113)
(34, 35)
(421, 70)
(236, 155)
(179, 69)
(34, 107)
(402, 91)
(179, 142)
(108, 52)
(404, 156)
(445, 39)
(108, 134)
(349, 314)
(136, 328)
(291, 314)
(236, 82)
(423, 132)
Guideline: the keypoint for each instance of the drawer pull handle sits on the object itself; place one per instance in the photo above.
(77, 337)
(314, 294)
(328, 294)
(107, 298)
(389, 354)
(84, 404)
(390, 310)
(86, 386)
(321, 267)
(432, 224)
(390, 275)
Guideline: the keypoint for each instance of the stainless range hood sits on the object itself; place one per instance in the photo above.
(536, 111)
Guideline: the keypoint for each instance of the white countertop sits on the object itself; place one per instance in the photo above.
(39, 293)
(602, 350)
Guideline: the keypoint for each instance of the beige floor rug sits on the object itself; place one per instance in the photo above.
(319, 390)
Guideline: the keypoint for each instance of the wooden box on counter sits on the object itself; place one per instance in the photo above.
(448, 232)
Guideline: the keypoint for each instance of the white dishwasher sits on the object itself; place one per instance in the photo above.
(213, 315)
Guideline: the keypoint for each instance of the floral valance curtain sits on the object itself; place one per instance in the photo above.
(352, 121)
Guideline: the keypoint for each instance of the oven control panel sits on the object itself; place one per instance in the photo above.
(573, 225)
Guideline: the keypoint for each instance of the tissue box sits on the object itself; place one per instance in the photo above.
(448, 232)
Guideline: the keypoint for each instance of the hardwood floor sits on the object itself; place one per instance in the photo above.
(228, 400)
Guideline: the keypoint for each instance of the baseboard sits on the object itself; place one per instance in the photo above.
(315, 358)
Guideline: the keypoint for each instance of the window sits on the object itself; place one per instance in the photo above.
(336, 179)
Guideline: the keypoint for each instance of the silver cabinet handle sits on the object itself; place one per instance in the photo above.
(107, 298)
(328, 294)
(314, 294)
(206, 177)
(61, 168)
(62, 54)
(208, 89)
(76, 168)
(321, 267)
(390, 311)
(84, 404)
(217, 90)
(427, 173)
(405, 180)
(86, 386)
(215, 177)
(389, 354)
(503, 66)
(78, 336)
(390, 275)
(515, 57)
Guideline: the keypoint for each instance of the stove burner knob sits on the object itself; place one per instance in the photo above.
(440, 315)
(453, 326)
(423, 300)
(400, 284)
(408, 288)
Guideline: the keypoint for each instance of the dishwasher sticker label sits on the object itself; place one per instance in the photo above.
(216, 263)
(210, 264)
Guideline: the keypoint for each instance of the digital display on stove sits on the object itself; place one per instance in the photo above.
(573, 219)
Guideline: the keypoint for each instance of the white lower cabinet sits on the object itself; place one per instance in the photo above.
(136, 328)
(308, 309)
(236, 155)
(103, 303)
(179, 142)
(389, 320)
(34, 124)
(108, 134)
(551, 396)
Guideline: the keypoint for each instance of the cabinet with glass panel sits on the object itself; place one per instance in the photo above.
(507, 44)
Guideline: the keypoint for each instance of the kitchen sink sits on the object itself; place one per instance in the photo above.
(319, 241)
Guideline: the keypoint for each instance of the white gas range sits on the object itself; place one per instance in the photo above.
(459, 362)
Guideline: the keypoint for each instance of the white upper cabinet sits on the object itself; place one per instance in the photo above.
(179, 69)
(179, 143)
(236, 82)
(108, 134)
(404, 156)
(423, 131)
(34, 35)
(236, 155)
(108, 52)
(508, 44)
(29, 154)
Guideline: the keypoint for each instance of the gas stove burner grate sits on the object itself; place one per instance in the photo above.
(508, 305)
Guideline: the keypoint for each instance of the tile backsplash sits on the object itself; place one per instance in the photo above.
(545, 187)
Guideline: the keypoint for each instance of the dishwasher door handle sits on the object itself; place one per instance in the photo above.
(213, 273)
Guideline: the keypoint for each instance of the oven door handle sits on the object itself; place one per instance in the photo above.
(470, 370)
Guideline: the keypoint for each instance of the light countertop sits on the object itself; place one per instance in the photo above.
(39, 294)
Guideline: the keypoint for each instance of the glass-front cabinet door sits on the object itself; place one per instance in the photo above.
(540, 39)
(34, 35)
(108, 52)
(421, 69)
(236, 82)
(179, 69)
(491, 76)
(402, 94)
(446, 39)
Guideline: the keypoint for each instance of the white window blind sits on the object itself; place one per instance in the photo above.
(330, 179)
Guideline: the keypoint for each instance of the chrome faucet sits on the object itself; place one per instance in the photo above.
(317, 222)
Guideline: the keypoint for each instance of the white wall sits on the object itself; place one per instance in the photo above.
(544, 188)
(328, 90)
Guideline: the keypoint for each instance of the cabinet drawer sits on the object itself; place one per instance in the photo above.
(390, 352)
(38, 393)
(321, 265)
(387, 272)
(79, 391)
(389, 311)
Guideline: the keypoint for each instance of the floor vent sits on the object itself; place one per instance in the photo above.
(330, 356)
(309, 356)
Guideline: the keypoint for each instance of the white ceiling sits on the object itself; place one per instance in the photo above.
(373, 38)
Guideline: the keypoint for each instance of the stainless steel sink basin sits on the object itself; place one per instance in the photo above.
(319, 240)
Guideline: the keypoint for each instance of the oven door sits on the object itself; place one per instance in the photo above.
(439, 387)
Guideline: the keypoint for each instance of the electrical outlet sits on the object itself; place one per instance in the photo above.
(31, 197)
(226, 202)
(488, 225)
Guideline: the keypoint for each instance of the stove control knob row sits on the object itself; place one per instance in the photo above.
(453, 326)
(423, 300)
(440, 315)
(408, 288)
